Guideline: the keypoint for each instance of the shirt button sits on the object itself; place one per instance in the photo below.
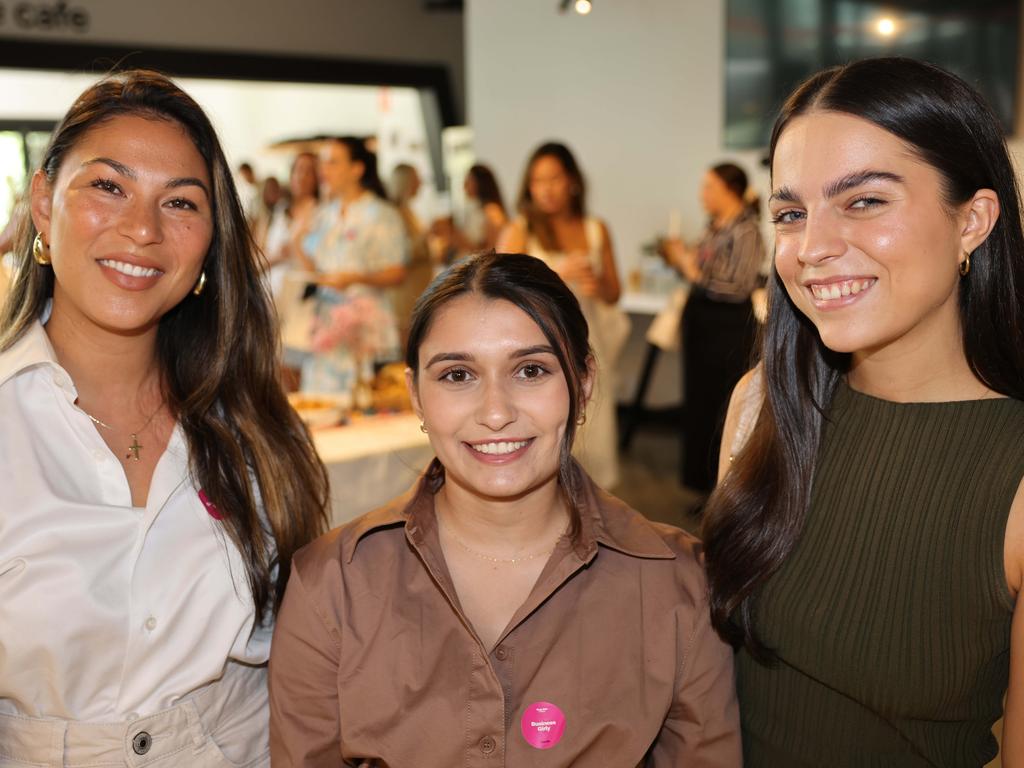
(487, 745)
(501, 653)
(142, 742)
(150, 623)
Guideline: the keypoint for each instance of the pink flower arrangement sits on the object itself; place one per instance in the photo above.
(354, 324)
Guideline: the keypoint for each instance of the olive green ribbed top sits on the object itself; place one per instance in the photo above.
(891, 617)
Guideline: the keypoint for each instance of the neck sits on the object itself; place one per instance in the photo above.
(729, 213)
(503, 526)
(915, 371)
(111, 371)
(351, 194)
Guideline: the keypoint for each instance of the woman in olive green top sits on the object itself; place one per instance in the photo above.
(865, 549)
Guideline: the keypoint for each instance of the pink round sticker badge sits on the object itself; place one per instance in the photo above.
(543, 725)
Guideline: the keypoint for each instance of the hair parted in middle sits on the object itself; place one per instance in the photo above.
(532, 286)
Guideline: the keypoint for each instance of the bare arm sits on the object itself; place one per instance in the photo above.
(385, 278)
(608, 287)
(512, 239)
(1013, 717)
(740, 418)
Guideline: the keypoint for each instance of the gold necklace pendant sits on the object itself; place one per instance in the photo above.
(134, 448)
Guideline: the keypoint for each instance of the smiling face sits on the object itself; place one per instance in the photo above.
(128, 220)
(866, 246)
(493, 398)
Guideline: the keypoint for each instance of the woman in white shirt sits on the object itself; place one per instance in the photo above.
(155, 481)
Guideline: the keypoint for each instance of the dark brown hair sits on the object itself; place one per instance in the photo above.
(487, 190)
(537, 222)
(754, 518)
(248, 450)
(531, 285)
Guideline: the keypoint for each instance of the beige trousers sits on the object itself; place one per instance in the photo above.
(223, 725)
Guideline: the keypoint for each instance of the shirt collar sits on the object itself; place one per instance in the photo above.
(605, 520)
(32, 350)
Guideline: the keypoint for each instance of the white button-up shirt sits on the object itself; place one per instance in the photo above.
(106, 611)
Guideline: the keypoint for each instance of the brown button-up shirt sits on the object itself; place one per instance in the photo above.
(373, 662)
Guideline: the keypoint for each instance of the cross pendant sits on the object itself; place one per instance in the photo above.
(134, 448)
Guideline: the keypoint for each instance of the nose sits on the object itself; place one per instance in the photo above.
(821, 240)
(496, 408)
(140, 221)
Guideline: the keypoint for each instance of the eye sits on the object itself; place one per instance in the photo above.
(789, 216)
(106, 185)
(532, 371)
(456, 376)
(867, 202)
(182, 203)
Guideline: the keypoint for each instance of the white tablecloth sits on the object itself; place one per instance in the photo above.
(371, 461)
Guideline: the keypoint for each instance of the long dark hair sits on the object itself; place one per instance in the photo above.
(359, 153)
(536, 221)
(248, 451)
(487, 190)
(531, 285)
(754, 518)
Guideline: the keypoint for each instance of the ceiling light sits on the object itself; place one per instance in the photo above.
(583, 7)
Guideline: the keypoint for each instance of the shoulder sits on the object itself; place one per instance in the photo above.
(324, 561)
(741, 417)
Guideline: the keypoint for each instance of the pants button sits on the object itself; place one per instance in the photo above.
(142, 742)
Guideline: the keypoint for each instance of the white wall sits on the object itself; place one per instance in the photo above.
(381, 30)
(635, 89)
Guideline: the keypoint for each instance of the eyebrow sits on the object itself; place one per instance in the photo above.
(537, 349)
(124, 170)
(840, 185)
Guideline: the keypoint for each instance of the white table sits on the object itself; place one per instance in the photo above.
(370, 461)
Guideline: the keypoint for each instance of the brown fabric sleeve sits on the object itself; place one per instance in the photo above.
(304, 726)
(702, 729)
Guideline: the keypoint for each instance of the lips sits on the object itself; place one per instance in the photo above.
(838, 289)
(131, 270)
(499, 448)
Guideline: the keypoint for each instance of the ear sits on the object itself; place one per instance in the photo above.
(41, 204)
(980, 215)
(414, 395)
(588, 382)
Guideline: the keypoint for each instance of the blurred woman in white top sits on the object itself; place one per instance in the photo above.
(554, 226)
(155, 481)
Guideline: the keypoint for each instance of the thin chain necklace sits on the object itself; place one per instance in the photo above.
(134, 448)
(506, 560)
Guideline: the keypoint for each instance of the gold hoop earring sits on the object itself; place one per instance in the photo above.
(201, 284)
(965, 265)
(39, 250)
(423, 428)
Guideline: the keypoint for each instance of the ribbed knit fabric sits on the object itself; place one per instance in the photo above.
(892, 616)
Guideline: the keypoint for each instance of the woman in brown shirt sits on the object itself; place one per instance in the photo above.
(505, 611)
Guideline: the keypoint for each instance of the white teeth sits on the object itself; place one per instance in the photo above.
(132, 270)
(839, 290)
(497, 449)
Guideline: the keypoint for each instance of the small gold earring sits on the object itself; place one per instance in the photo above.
(39, 251)
(201, 284)
(965, 265)
(423, 428)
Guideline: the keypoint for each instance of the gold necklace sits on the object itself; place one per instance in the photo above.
(134, 448)
(506, 560)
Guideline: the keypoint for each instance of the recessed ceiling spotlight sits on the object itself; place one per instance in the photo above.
(583, 7)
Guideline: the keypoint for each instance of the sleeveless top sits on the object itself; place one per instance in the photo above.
(891, 617)
(597, 441)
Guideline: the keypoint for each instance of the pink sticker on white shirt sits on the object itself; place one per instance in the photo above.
(543, 725)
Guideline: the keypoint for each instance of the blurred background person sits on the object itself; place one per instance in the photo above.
(484, 216)
(355, 245)
(718, 327)
(293, 214)
(249, 192)
(403, 187)
(553, 225)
